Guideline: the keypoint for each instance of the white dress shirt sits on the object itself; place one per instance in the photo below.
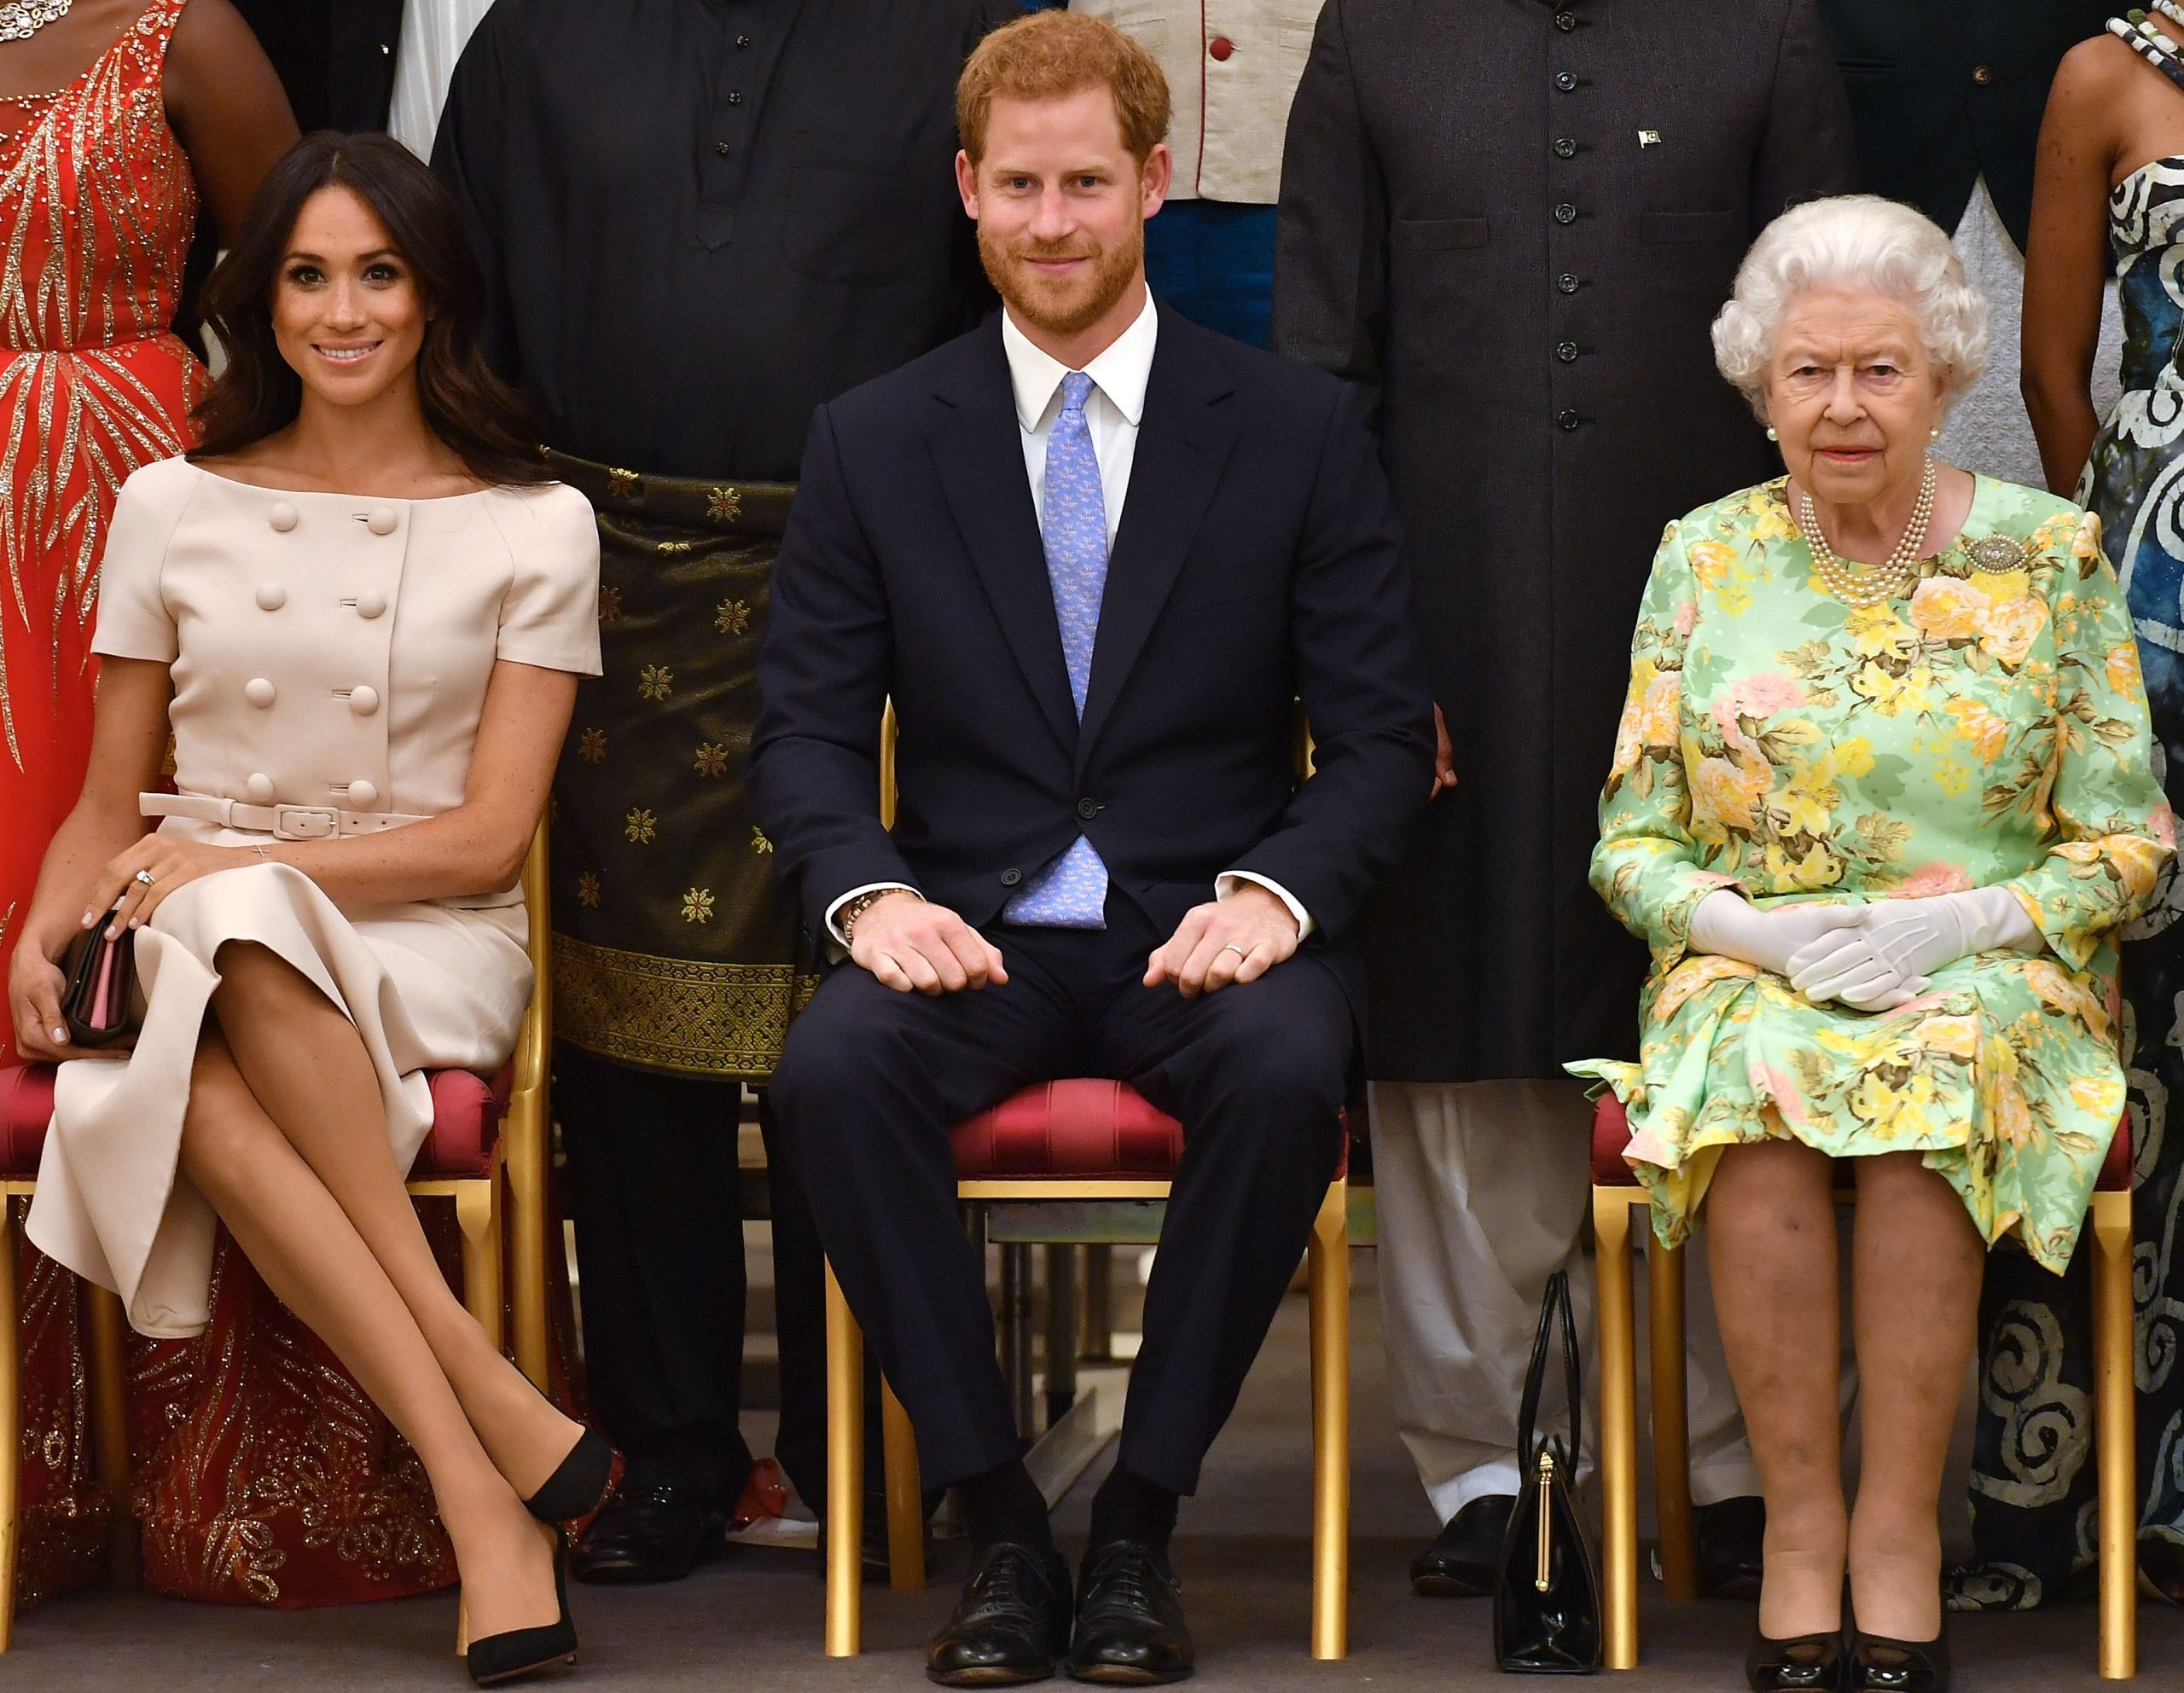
(1112, 412)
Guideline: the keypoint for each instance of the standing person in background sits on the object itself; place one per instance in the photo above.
(1510, 225)
(1232, 67)
(433, 35)
(1945, 105)
(2111, 182)
(115, 116)
(335, 57)
(690, 252)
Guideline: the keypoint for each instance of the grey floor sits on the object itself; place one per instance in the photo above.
(1243, 1552)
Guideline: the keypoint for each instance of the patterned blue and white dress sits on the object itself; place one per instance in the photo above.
(2033, 1507)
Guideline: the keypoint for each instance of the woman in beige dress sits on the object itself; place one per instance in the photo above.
(363, 611)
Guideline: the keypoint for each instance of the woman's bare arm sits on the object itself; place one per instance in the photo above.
(2066, 267)
(226, 102)
(477, 847)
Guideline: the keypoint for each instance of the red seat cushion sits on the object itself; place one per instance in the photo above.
(25, 1108)
(1070, 1128)
(1612, 1133)
(467, 1112)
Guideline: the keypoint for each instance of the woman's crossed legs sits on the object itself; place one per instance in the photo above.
(286, 1136)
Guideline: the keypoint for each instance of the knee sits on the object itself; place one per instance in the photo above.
(832, 1059)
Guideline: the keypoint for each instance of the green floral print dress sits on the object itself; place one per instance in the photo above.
(1988, 730)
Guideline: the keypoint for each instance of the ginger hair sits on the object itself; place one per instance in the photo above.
(1047, 55)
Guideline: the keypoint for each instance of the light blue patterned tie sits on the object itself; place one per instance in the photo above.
(1072, 894)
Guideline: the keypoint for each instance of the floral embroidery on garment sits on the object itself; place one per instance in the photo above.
(1989, 730)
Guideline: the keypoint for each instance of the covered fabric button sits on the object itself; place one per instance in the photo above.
(1220, 48)
(283, 516)
(381, 520)
(362, 793)
(271, 596)
(363, 699)
(258, 692)
(371, 603)
(259, 788)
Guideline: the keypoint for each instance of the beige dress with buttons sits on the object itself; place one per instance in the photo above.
(330, 655)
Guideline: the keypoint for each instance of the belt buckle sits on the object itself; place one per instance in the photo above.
(305, 822)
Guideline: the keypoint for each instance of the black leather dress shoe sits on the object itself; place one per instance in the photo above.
(1732, 1535)
(1465, 1555)
(1880, 1664)
(1129, 1619)
(1807, 1663)
(650, 1533)
(1011, 1623)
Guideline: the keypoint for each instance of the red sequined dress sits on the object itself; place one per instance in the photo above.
(260, 1472)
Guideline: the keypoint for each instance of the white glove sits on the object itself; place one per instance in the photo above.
(1727, 923)
(1888, 955)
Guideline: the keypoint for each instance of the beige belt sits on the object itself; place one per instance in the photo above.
(283, 822)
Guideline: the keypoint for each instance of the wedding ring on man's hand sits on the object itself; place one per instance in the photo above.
(146, 878)
(1233, 948)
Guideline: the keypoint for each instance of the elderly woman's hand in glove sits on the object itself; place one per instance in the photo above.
(1887, 956)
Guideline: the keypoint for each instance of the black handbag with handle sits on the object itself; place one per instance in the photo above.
(1547, 1596)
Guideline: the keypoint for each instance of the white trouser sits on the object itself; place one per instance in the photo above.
(1482, 1189)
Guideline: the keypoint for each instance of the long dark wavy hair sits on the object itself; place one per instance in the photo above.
(483, 420)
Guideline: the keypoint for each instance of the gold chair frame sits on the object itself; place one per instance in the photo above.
(2115, 1424)
(1328, 1279)
(519, 1157)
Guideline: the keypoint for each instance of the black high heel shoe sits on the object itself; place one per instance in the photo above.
(578, 1484)
(1804, 1663)
(1880, 1664)
(517, 1652)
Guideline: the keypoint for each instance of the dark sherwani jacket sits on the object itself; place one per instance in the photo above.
(1510, 223)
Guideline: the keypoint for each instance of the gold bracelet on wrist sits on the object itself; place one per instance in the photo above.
(846, 919)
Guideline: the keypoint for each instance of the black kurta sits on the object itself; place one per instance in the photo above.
(1512, 223)
(703, 218)
(1942, 93)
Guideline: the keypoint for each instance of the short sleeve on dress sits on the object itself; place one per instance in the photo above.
(133, 621)
(549, 616)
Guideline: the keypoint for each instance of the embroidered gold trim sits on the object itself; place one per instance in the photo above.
(676, 1014)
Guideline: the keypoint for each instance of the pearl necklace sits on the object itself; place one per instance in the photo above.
(1859, 585)
(20, 19)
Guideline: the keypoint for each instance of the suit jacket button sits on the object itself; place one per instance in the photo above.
(1565, 213)
(1011, 877)
(1087, 810)
(1567, 420)
(1566, 351)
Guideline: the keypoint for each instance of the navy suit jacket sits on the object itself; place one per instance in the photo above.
(1257, 565)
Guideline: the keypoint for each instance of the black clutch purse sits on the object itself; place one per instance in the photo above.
(1547, 1597)
(99, 1003)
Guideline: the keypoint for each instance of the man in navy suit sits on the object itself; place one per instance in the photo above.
(1096, 556)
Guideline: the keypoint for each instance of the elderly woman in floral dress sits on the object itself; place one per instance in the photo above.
(1880, 800)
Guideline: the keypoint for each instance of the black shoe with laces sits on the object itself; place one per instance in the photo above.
(1012, 1624)
(1129, 1619)
(650, 1533)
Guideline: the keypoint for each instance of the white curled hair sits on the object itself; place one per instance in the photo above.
(1866, 244)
